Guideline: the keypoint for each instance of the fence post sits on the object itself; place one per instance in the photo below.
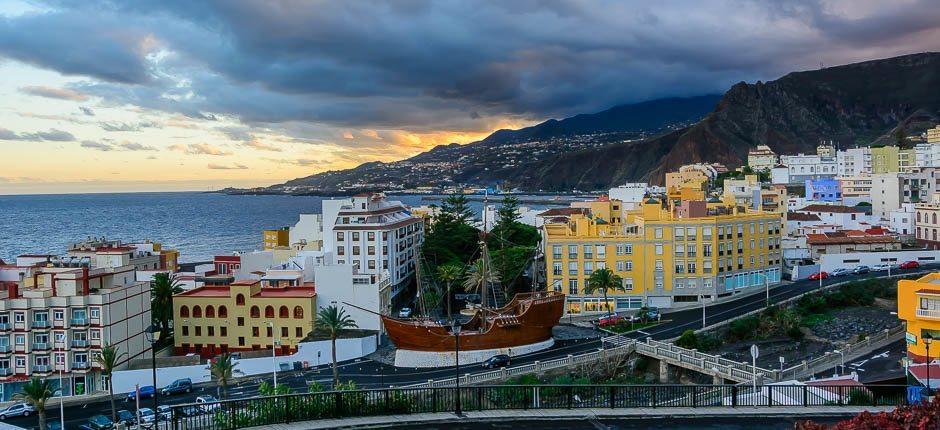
(770, 395)
(525, 397)
(434, 398)
(655, 390)
(841, 394)
(805, 396)
(611, 395)
(570, 397)
(339, 404)
(287, 414)
(388, 402)
(734, 396)
(694, 396)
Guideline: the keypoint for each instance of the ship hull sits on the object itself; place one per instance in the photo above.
(527, 319)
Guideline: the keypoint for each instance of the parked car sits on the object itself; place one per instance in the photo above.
(608, 320)
(164, 412)
(127, 417)
(207, 403)
(190, 411)
(909, 265)
(146, 392)
(861, 269)
(881, 267)
(100, 422)
(496, 361)
(184, 385)
(840, 272)
(17, 410)
(147, 415)
(819, 275)
(404, 313)
(652, 313)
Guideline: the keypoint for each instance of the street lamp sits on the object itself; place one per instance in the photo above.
(62, 399)
(841, 360)
(456, 330)
(274, 352)
(153, 335)
(928, 339)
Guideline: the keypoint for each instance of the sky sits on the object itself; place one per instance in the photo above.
(166, 95)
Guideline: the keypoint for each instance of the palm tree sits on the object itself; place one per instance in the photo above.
(334, 320)
(36, 392)
(604, 280)
(449, 273)
(222, 370)
(108, 358)
(162, 290)
(475, 279)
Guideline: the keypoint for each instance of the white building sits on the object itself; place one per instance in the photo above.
(849, 218)
(855, 189)
(802, 167)
(901, 221)
(885, 194)
(307, 233)
(761, 158)
(854, 162)
(919, 185)
(850, 260)
(927, 155)
(57, 318)
(780, 175)
(526, 215)
(631, 194)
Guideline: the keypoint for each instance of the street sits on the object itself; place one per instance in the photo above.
(368, 373)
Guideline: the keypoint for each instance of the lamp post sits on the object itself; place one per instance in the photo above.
(153, 335)
(928, 339)
(841, 360)
(702, 298)
(62, 399)
(456, 330)
(274, 352)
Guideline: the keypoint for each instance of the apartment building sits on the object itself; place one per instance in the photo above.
(927, 224)
(802, 167)
(374, 235)
(665, 254)
(743, 191)
(885, 159)
(242, 316)
(693, 178)
(854, 162)
(761, 158)
(277, 238)
(61, 312)
(823, 190)
(886, 194)
(933, 135)
(850, 218)
(920, 184)
(103, 252)
(848, 241)
(307, 233)
(919, 307)
(856, 189)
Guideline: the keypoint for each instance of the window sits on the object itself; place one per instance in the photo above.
(659, 249)
(340, 250)
(356, 250)
(283, 312)
(588, 251)
(658, 265)
(556, 269)
(572, 267)
(184, 311)
(241, 321)
(680, 267)
(620, 266)
(628, 248)
(223, 312)
(629, 266)
(197, 312)
(94, 312)
(298, 312)
(691, 232)
(210, 311)
(255, 312)
(680, 233)
(691, 251)
(370, 235)
(340, 236)
(299, 332)
(19, 339)
(185, 330)
(588, 268)
(211, 331)
(240, 300)
(198, 330)
(601, 250)
(707, 250)
(355, 236)
(572, 286)
(284, 332)
(58, 315)
(255, 331)
(691, 267)
(241, 341)
(707, 266)
(658, 233)
(223, 331)
(268, 331)
(370, 250)
(572, 251)
(556, 251)
(269, 311)
(628, 284)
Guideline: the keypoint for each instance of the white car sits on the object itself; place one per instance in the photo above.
(17, 410)
(207, 403)
(404, 313)
(882, 267)
(146, 415)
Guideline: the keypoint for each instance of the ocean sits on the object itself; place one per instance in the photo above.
(200, 225)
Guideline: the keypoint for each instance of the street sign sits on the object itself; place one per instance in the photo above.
(911, 338)
(754, 352)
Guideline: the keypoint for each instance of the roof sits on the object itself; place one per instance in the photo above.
(799, 216)
(286, 292)
(246, 282)
(565, 212)
(839, 209)
(206, 291)
(112, 249)
(928, 291)
(840, 237)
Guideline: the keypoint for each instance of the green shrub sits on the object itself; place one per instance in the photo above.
(795, 333)
(688, 340)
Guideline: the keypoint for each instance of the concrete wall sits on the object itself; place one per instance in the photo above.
(346, 349)
(831, 262)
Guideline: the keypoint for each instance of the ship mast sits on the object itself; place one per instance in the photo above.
(484, 254)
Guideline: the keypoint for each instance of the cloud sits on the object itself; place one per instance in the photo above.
(199, 149)
(133, 146)
(119, 146)
(296, 161)
(53, 135)
(96, 145)
(259, 145)
(86, 110)
(234, 166)
(54, 93)
(125, 126)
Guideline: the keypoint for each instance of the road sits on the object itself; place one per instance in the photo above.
(372, 374)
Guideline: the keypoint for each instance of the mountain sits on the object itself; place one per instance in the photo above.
(855, 104)
(504, 154)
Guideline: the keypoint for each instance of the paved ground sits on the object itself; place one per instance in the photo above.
(368, 373)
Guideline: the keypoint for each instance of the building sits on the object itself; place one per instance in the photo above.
(826, 149)
(886, 194)
(802, 167)
(780, 175)
(242, 316)
(307, 233)
(711, 171)
(885, 159)
(798, 223)
(847, 241)
(741, 191)
(761, 158)
(850, 218)
(59, 312)
(856, 189)
(103, 252)
(374, 235)
(274, 239)
(919, 185)
(919, 307)
(774, 199)
(907, 160)
(689, 178)
(830, 262)
(665, 254)
(631, 195)
(854, 162)
(901, 221)
(933, 135)
(823, 190)
(926, 224)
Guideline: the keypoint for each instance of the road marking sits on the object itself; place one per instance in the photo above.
(882, 355)
(642, 332)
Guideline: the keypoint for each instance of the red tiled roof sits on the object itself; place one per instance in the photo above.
(288, 292)
(565, 211)
(246, 282)
(832, 209)
(206, 291)
(798, 216)
(840, 237)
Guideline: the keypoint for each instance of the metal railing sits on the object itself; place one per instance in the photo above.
(260, 411)
(928, 313)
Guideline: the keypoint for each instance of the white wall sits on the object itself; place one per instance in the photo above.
(346, 349)
(334, 284)
(831, 262)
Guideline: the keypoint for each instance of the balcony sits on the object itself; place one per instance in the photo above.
(78, 343)
(42, 368)
(79, 321)
(40, 324)
(5, 326)
(6, 371)
(929, 313)
(40, 346)
(81, 365)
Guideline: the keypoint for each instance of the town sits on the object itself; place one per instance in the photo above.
(780, 252)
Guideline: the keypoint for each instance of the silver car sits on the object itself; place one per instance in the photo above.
(17, 410)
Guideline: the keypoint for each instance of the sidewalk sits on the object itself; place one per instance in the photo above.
(553, 414)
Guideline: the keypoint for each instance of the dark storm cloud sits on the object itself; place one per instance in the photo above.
(444, 64)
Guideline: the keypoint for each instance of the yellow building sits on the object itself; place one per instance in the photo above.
(774, 199)
(885, 159)
(276, 238)
(907, 160)
(919, 307)
(933, 135)
(242, 316)
(665, 255)
(687, 177)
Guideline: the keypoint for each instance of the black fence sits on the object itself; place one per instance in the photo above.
(257, 411)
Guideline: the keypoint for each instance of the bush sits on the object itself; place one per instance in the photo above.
(688, 340)
(917, 416)
(744, 328)
(795, 333)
